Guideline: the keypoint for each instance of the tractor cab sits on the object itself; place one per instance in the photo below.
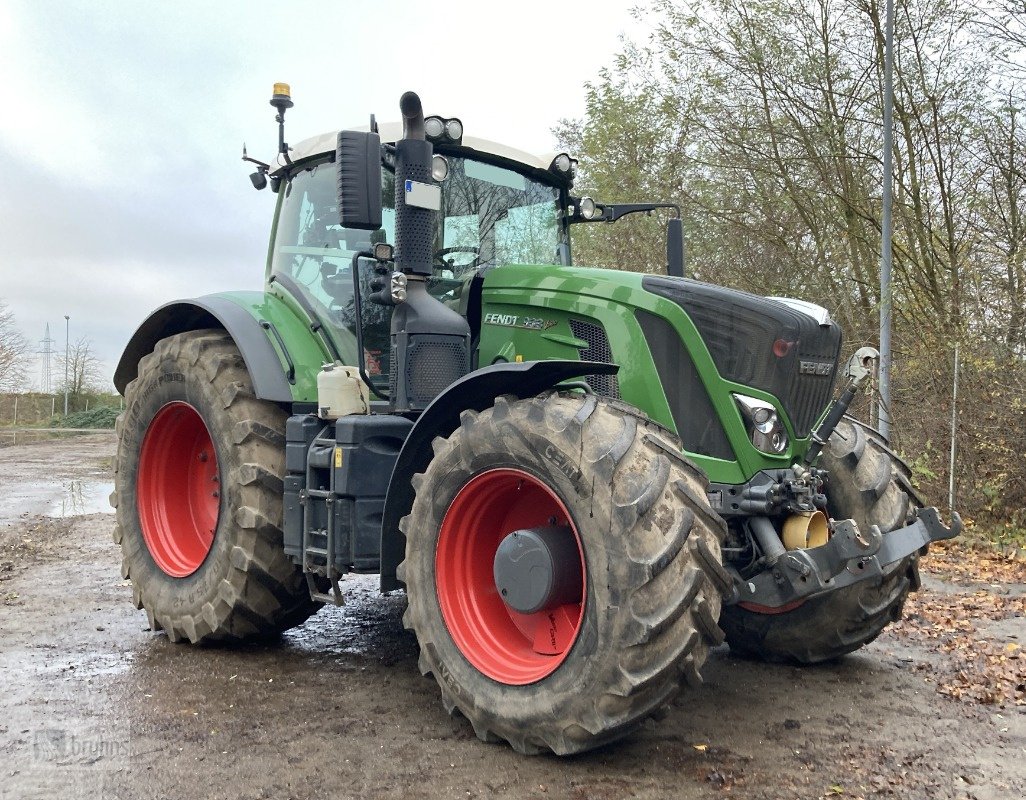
(498, 207)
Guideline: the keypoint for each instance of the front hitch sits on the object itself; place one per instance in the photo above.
(849, 557)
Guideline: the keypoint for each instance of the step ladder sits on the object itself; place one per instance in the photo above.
(312, 553)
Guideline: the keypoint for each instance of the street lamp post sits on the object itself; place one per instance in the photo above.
(886, 296)
(67, 351)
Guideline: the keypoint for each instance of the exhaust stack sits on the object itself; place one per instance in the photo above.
(430, 342)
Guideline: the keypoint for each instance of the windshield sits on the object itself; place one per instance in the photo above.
(498, 216)
(490, 216)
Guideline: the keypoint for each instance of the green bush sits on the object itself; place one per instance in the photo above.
(99, 417)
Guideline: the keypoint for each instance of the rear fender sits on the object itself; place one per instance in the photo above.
(475, 392)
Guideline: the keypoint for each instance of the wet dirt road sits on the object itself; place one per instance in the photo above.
(95, 705)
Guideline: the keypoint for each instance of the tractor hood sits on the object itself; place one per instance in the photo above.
(781, 346)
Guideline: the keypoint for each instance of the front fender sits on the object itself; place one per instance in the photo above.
(282, 354)
(475, 392)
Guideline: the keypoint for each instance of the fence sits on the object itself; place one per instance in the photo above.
(33, 408)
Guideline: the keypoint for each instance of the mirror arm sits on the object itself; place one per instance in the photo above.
(612, 213)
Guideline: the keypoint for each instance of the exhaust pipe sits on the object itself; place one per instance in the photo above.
(414, 224)
(413, 116)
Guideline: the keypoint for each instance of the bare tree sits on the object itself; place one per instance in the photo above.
(13, 352)
(85, 370)
(1002, 228)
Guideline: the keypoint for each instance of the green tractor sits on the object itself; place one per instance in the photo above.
(583, 479)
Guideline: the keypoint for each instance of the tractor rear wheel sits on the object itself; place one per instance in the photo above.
(635, 574)
(198, 495)
(868, 483)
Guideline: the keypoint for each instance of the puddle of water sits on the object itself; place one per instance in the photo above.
(83, 497)
(367, 626)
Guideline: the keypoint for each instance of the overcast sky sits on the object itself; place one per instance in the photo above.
(122, 126)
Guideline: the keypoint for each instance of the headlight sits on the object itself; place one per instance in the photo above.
(397, 288)
(764, 424)
(588, 208)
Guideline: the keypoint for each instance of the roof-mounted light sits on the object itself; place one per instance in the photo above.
(281, 96)
(434, 127)
(281, 99)
(564, 166)
(454, 129)
(439, 129)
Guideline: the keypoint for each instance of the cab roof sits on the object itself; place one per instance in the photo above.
(390, 132)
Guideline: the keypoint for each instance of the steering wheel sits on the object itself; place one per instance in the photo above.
(439, 257)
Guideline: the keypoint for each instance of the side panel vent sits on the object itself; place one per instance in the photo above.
(433, 364)
(598, 349)
(698, 426)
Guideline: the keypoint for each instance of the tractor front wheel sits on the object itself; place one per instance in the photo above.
(198, 495)
(562, 566)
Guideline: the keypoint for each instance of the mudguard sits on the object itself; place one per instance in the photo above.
(282, 355)
(476, 392)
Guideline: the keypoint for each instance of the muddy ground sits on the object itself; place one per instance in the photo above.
(95, 705)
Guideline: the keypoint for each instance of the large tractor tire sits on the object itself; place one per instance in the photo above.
(641, 576)
(198, 494)
(868, 483)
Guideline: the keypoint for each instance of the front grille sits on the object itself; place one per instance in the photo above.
(598, 349)
(810, 394)
(739, 330)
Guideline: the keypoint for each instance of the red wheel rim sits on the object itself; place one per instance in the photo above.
(178, 489)
(507, 646)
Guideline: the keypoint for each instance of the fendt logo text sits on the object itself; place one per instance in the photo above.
(815, 367)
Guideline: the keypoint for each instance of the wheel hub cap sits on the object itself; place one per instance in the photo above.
(510, 646)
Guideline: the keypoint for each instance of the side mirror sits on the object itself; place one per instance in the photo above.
(358, 166)
(675, 248)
